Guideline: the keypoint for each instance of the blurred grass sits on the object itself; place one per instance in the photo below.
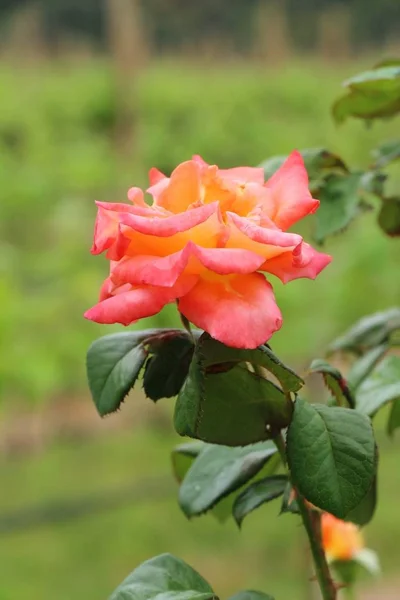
(87, 558)
(57, 155)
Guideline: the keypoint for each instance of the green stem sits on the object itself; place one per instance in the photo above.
(312, 523)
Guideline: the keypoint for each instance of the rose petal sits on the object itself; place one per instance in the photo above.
(243, 175)
(155, 176)
(144, 301)
(290, 194)
(238, 311)
(304, 261)
(192, 260)
(266, 242)
(181, 190)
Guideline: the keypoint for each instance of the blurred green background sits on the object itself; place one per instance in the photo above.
(83, 125)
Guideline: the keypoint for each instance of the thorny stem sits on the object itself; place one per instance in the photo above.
(312, 524)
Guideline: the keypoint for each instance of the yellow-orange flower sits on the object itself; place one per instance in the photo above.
(341, 540)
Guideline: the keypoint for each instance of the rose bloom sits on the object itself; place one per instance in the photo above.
(205, 242)
(341, 540)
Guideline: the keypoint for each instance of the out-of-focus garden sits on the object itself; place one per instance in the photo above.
(89, 101)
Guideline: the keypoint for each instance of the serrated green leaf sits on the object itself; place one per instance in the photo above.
(217, 472)
(224, 402)
(164, 577)
(389, 216)
(215, 353)
(385, 78)
(364, 365)
(234, 408)
(258, 493)
(373, 94)
(340, 203)
(394, 417)
(381, 387)
(251, 595)
(113, 365)
(386, 153)
(334, 381)
(368, 332)
(332, 456)
(183, 456)
(317, 161)
(362, 514)
(167, 369)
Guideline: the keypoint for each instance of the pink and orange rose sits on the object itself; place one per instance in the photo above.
(206, 242)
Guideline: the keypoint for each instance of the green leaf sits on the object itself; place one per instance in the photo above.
(224, 402)
(372, 182)
(381, 387)
(214, 353)
(363, 513)
(217, 472)
(386, 153)
(233, 408)
(164, 577)
(113, 365)
(394, 417)
(364, 365)
(373, 94)
(183, 456)
(317, 161)
(340, 203)
(368, 332)
(258, 493)
(386, 78)
(332, 456)
(167, 369)
(251, 595)
(334, 381)
(289, 502)
(389, 216)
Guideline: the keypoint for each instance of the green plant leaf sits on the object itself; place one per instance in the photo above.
(368, 332)
(258, 493)
(113, 365)
(318, 161)
(217, 472)
(363, 366)
(340, 203)
(386, 153)
(182, 457)
(334, 381)
(363, 513)
(381, 387)
(332, 456)
(389, 216)
(372, 94)
(385, 78)
(394, 417)
(224, 402)
(214, 353)
(251, 595)
(164, 577)
(167, 369)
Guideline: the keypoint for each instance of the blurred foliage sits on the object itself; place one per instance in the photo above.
(58, 154)
(173, 24)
